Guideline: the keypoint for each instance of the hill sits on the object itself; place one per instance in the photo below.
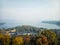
(26, 28)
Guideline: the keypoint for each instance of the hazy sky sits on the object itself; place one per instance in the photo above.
(29, 10)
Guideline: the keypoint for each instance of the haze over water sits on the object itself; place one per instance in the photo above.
(10, 24)
(29, 12)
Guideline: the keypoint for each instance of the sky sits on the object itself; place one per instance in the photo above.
(30, 11)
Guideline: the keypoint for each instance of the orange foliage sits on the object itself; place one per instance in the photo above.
(42, 40)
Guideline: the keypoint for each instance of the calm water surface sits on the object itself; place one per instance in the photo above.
(43, 25)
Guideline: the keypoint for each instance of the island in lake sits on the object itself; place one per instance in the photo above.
(52, 22)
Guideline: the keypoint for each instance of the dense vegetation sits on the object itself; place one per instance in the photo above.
(44, 37)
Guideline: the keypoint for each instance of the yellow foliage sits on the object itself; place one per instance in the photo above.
(18, 41)
(1, 35)
(5, 39)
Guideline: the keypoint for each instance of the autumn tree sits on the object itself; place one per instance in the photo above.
(42, 40)
(27, 40)
(6, 39)
(17, 40)
(1, 39)
(51, 36)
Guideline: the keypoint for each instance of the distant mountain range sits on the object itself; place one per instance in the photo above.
(52, 22)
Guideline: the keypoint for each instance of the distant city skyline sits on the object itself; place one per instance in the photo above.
(29, 11)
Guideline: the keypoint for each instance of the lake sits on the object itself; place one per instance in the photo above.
(9, 24)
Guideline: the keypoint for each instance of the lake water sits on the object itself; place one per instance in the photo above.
(40, 25)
